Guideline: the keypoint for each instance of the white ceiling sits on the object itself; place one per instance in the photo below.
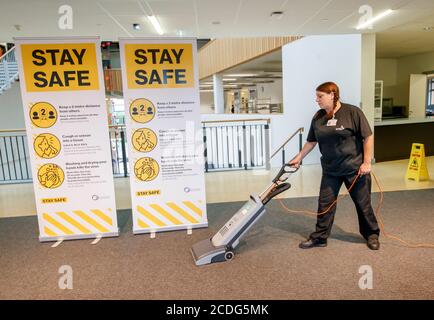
(399, 34)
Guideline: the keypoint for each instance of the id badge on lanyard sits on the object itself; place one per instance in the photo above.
(332, 122)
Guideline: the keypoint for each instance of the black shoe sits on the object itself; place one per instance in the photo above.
(311, 243)
(373, 242)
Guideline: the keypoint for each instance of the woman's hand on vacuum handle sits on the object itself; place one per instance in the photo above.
(295, 162)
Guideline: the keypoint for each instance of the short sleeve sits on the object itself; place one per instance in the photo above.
(363, 125)
(311, 135)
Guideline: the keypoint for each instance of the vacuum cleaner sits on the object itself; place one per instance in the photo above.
(221, 246)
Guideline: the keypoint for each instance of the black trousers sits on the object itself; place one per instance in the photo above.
(361, 195)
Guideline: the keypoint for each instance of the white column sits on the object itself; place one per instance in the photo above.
(219, 98)
(306, 63)
(367, 88)
(368, 77)
(417, 97)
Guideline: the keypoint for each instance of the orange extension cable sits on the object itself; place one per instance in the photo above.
(376, 212)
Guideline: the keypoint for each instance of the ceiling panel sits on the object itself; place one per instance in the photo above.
(238, 18)
(119, 8)
(172, 8)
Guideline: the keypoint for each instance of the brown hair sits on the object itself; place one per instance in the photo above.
(329, 87)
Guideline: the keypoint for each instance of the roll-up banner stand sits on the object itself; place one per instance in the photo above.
(68, 139)
(164, 134)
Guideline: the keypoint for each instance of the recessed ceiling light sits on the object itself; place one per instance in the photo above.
(276, 15)
(136, 26)
(374, 19)
(156, 24)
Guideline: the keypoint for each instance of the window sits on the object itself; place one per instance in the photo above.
(430, 97)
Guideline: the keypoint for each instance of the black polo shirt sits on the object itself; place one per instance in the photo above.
(341, 145)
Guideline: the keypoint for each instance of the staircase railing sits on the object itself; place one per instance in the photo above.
(9, 55)
(15, 155)
(299, 131)
(236, 144)
(8, 69)
(228, 145)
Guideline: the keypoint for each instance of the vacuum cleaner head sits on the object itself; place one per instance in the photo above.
(220, 247)
(204, 252)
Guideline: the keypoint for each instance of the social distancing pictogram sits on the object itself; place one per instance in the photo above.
(43, 115)
(142, 110)
(46, 146)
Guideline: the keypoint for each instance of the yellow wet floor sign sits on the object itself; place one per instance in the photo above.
(417, 169)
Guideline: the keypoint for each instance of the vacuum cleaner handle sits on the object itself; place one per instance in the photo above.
(279, 189)
(286, 169)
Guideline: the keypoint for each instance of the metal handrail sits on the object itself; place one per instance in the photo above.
(241, 120)
(12, 130)
(301, 130)
(123, 126)
(10, 74)
(7, 53)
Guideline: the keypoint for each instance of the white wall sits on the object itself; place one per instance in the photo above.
(271, 91)
(206, 102)
(386, 70)
(306, 64)
(11, 108)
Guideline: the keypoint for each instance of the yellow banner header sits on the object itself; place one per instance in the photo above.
(60, 67)
(159, 65)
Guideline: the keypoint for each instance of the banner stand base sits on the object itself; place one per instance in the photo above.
(79, 236)
(56, 244)
(172, 228)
